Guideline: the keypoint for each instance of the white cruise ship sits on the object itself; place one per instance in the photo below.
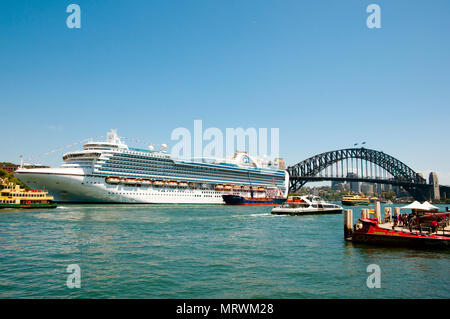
(112, 172)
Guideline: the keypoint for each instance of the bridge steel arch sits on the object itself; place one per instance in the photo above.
(402, 174)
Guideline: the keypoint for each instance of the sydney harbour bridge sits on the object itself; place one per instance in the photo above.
(365, 165)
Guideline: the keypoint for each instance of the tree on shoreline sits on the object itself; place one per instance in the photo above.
(11, 178)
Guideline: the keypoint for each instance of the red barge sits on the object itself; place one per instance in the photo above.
(369, 232)
(258, 196)
(241, 200)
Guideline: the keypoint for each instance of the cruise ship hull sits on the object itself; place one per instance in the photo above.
(76, 188)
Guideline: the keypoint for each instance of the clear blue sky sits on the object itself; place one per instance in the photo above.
(311, 68)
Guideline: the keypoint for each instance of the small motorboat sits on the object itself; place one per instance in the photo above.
(305, 205)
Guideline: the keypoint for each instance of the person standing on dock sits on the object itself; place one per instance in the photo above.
(389, 216)
(434, 226)
(395, 219)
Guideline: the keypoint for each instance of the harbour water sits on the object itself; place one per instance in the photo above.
(203, 251)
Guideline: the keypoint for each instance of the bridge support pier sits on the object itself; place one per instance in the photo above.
(434, 182)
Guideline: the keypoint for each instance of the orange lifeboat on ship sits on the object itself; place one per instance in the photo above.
(129, 181)
(113, 180)
(146, 182)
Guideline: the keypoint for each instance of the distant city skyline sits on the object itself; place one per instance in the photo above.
(313, 69)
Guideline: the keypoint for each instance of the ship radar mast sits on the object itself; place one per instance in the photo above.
(112, 137)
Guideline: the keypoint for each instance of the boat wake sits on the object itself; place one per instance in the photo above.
(253, 215)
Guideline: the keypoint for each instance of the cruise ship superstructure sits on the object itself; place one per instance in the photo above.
(112, 172)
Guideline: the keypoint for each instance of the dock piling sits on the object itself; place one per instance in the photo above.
(363, 213)
(378, 211)
(348, 223)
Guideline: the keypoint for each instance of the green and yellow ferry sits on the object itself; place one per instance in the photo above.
(350, 200)
(13, 196)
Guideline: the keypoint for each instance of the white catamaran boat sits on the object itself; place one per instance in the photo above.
(303, 205)
(112, 172)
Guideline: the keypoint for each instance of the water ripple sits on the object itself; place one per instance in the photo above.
(201, 251)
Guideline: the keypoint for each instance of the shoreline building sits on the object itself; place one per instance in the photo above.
(354, 186)
(367, 188)
(11, 167)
